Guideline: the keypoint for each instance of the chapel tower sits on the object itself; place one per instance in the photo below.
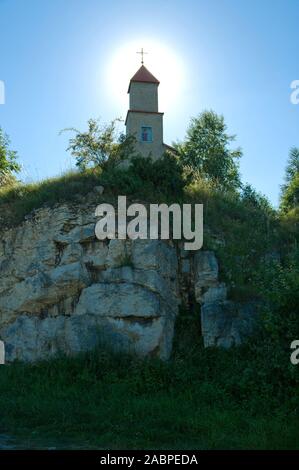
(144, 121)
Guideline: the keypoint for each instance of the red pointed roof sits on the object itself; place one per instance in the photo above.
(143, 75)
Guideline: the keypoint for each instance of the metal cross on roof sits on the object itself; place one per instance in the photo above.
(142, 54)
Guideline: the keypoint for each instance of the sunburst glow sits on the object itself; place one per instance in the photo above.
(160, 60)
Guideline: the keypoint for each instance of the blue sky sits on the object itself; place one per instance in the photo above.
(239, 59)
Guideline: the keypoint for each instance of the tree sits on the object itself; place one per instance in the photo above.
(206, 151)
(290, 190)
(290, 196)
(252, 197)
(8, 160)
(100, 146)
(292, 168)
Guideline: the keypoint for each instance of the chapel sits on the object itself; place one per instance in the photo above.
(144, 121)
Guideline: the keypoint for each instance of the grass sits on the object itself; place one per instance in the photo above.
(201, 399)
(242, 235)
(204, 399)
(18, 200)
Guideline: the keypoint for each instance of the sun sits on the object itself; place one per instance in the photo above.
(161, 61)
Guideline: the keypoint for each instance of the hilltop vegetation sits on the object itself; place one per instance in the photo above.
(246, 397)
(240, 224)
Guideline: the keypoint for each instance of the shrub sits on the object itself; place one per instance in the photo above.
(147, 178)
(100, 146)
(8, 160)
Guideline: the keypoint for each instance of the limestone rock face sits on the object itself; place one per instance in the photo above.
(227, 323)
(64, 291)
(223, 323)
(205, 273)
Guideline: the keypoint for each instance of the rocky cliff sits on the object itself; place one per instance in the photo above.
(64, 291)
